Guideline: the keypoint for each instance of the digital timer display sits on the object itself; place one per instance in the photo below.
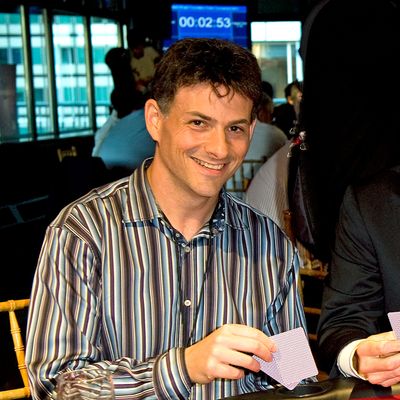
(212, 21)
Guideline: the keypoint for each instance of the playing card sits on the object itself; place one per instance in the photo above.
(293, 361)
(394, 318)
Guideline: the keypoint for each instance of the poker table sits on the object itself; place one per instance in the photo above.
(331, 389)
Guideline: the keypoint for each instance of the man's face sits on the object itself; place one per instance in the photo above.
(201, 140)
(138, 51)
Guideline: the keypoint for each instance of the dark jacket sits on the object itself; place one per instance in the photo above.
(363, 284)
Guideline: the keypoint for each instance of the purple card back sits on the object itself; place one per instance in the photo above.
(394, 318)
(293, 361)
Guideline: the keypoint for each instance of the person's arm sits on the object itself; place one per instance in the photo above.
(377, 359)
(352, 302)
(65, 327)
(227, 352)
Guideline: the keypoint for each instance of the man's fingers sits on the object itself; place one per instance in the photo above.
(251, 338)
(381, 348)
(226, 371)
(250, 346)
(380, 367)
(384, 378)
(243, 360)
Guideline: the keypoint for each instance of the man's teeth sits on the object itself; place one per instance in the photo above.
(211, 166)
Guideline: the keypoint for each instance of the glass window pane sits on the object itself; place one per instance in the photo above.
(104, 34)
(276, 45)
(13, 110)
(3, 56)
(40, 74)
(70, 69)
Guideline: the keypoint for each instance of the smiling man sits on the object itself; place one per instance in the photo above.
(163, 278)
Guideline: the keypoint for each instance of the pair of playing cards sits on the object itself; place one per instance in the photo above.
(293, 360)
(394, 318)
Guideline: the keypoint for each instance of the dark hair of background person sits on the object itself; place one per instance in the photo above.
(267, 88)
(289, 88)
(214, 62)
(135, 38)
(265, 110)
(285, 114)
(125, 97)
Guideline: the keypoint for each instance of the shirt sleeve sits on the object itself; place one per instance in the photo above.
(345, 360)
(65, 328)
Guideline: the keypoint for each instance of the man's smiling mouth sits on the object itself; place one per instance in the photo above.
(216, 167)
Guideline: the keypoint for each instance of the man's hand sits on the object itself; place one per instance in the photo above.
(227, 352)
(379, 359)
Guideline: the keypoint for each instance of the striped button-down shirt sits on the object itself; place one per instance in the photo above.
(118, 288)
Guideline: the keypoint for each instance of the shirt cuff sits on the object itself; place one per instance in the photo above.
(171, 379)
(345, 360)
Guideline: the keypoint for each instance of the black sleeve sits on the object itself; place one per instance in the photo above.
(353, 301)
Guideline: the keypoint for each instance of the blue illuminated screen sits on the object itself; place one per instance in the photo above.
(210, 21)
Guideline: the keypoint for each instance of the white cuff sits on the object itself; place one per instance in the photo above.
(345, 360)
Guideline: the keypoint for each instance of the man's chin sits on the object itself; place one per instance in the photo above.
(208, 192)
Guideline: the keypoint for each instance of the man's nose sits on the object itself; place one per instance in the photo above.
(217, 144)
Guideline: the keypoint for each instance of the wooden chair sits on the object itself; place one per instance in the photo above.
(311, 276)
(240, 181)
(316, 275)
(313, 271)
(62, 153)
(11, 306)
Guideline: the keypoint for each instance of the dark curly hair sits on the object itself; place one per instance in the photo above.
(125, 97)
(217, 62)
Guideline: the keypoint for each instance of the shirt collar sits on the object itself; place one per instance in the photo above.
(145, 207)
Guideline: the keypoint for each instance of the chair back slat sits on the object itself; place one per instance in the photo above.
(240, 181)
(10, 306)
(22, 393)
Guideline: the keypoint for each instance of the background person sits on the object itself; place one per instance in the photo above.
(123, 142)
(285, 116)
(143, 60)
(354, 335)
(267, 138)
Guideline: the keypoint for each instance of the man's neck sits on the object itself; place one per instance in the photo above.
(185, 213)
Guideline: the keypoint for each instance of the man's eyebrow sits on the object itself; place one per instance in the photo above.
(200, 115)
(208, 118)
(240, 121)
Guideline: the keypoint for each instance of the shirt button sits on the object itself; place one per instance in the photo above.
(177, 234)
(187, 249)
(187, 303)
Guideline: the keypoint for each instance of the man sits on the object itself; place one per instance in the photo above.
(163, 278)
(143, 60)
(267, 138)
(268, 193)
(123, 142)
(355, 337)
(285, 115)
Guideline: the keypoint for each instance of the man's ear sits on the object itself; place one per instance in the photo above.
(252, 126)
(153, 116)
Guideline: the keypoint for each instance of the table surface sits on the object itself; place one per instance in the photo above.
(330, 389)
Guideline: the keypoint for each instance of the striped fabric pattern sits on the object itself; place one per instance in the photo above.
(116, 287)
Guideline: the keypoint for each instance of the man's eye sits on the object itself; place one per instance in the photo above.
(236, 128)
(197, 122)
